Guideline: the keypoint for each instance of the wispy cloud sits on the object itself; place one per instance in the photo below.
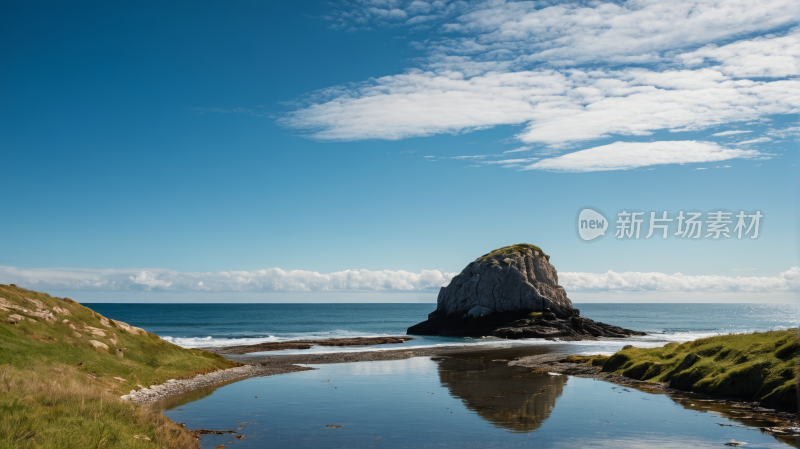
(629, 155)
(570, 72)
(519, 150)
(785, 132)
(238, 110)
(275, 280)
(469, 157)
(557, 107)
(510, 161)
(759, 140)
(731, 133)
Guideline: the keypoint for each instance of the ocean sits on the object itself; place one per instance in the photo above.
(214, 325)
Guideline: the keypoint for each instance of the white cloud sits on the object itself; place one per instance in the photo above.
(785, 132)
(775, 57)
(518, 150)
(572, 72)
(628, 155)
(758, 140)
(633, 31)
(275, 279)
(509, 161)
(558, 107)
(661, 282)
(731, 133)
(272, 279)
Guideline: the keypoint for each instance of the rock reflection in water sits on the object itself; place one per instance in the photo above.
(512, 398)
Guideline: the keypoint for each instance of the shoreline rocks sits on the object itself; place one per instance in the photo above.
(174, 387)
(512, 293)
(306, 344)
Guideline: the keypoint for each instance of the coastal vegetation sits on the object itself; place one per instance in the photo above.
(63, 368)
(759, 367)
(511, 250)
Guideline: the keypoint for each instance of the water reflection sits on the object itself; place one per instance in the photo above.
(512, 398)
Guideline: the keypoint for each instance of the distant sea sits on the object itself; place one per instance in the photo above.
(212, 325)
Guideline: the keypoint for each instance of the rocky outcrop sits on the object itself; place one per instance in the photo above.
(518, 277)
(511, 292)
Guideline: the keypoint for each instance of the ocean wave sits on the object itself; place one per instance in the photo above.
(602, 346)
(218, 342)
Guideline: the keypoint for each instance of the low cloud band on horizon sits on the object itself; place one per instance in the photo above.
(278, 280)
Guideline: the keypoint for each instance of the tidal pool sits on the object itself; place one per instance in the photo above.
(463, 401)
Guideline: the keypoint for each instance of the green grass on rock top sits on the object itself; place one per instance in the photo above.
(511, 250)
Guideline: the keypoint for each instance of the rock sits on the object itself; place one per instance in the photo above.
(57, 309)
(104, 321)
(120, 379)
(98, 344)
(95, 331)
(19, 318)
(479, 311)
(511, 278)
(128, 328)
(35, 302)
(46, 314)
(497, 295)
(6, 304)
(77, 334)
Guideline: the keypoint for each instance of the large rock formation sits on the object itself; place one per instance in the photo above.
(512, 292)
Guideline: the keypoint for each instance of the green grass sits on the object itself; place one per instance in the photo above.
(511, 250)
(755, 367)
(47, 370)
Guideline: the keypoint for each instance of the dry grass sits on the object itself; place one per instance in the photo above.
(59, 407)
(58, 390)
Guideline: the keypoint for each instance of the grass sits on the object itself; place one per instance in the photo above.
(58, 390)
(511, 250)
(760, 366)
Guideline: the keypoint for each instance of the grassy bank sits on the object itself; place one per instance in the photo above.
(63, 368)
(754, 367)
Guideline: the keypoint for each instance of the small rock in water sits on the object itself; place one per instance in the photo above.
(334, 427)
(735, 443)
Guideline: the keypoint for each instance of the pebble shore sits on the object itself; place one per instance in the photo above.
(259, 366)
(174, 387)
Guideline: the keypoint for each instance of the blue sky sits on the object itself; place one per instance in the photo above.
(145, 144)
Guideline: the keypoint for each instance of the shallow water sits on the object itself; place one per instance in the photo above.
(464, 401)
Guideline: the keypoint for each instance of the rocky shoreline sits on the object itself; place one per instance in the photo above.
(174, 387)
(260, 366)
(306, 344)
